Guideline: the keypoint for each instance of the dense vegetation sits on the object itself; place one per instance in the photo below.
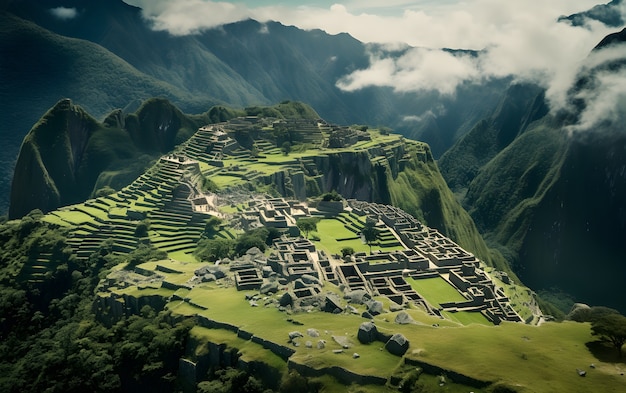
(50, 340)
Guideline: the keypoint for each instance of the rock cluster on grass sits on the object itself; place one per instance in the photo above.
(374, 307)
(396, 344)
(209, 273)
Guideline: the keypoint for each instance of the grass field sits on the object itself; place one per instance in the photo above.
(435, 290)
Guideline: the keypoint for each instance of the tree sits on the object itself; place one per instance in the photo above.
(347, 251)
(212, 226)
(214, 249)
(369, 233)
(286, 147)
(611, 328)
(307, 225)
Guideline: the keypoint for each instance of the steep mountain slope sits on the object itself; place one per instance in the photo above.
(522, 104)
(554, 197)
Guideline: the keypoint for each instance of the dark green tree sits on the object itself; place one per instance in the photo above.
(369, 233)
(347, 251)
(214, 249)
(286, 147)
(212, 226)
(307, 225)
(611, 328)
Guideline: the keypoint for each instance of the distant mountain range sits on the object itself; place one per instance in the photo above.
(552, 201)
(108, 58)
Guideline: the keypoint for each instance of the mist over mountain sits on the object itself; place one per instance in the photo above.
(549, 187)
(240, 64)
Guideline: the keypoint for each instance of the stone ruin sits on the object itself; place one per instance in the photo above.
(427, 254)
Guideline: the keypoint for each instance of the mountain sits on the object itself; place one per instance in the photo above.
(610, 14)
(240, 64)
(548, 190)
(68, 156)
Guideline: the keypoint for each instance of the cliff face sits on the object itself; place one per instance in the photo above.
(403, 174)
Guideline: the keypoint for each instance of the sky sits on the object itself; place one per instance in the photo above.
(521, 39)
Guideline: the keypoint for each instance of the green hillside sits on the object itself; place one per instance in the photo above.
(127, 284)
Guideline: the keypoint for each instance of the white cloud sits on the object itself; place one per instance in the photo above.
(64, 13)
(515, 38)
(418, 69)
(604, 93)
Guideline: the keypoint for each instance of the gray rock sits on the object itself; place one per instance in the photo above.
(357, 297)
(397, 345)
(254, 252)
(295, 334)
(342, 341)
(337, 351)
(286, 300)
(209, 277)
(367, 333)
(321, 344)
(332, 303)
(403, 318)
(352, 310)
(355, 356)
(367, 315)
(269, 287)
(375, 307)
(312, 332)
(308, 344)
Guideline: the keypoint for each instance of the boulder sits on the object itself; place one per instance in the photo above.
(332, 303)
(375, 307)
(403, 318)
(254, 252)
(269, 287)
(312, 332)
(357, 297)
(286, 300)
(397, 345)
(295, 334)
(321, 344)
(343, 341)
(208, 277)
(367, 333)
(367, 315)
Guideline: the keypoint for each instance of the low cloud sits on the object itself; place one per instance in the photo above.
(603, 94)
(417, 69)
(518, 39)
(64, 13)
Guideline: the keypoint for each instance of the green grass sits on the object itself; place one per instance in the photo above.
(329, 230)
(435, 290)
(467, 317)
